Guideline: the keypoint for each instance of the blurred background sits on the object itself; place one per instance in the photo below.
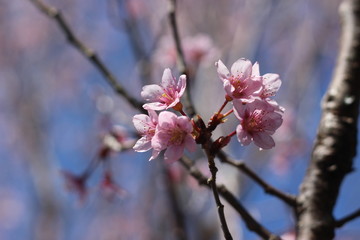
(58, 114)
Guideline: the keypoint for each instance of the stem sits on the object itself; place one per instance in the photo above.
(212, 182)
(232, 134)
(222, 106)
(250, 222)
(183, 113)
(228, 113)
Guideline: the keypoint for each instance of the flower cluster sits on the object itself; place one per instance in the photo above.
(166, 130)
(250, 93)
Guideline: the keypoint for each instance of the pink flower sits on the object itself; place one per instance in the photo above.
(244, 82)
(164, 96)
(258, 121)
(145, 125)
(197, 49)
(173, 133)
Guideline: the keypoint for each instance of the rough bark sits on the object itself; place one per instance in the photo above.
(335, 144)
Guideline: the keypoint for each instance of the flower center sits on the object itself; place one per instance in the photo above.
(239, 85)
(177, 136)
(254, 121)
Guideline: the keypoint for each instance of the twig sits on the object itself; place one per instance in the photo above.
(336, 140)
(86, 51)
(285, 197)
(342, 221)
(212, 183)
(250, 222)
(181, 58)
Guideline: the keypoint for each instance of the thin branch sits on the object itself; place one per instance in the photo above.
(250, 222)
(212, 183)
(181, 57)
(285, 197)
(86, 51)
(342, 221)
(336, 140)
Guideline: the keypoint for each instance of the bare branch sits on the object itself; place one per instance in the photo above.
(250, 222)
(342, 221)
(285, 197)
(212, 183)
(181, 58)
(86, 51)
(335, 145)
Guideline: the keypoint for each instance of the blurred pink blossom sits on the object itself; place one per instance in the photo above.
(258, 121)
(291, 143)
(167, 95)
(173, 133)
(145, 126)
(288, 236)
(243, 82)
(198, 48)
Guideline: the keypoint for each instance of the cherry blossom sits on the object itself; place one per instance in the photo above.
(173, 133)
(167, 95)
(258, 121)
(198, 48)
(243, 82)
(145, 126)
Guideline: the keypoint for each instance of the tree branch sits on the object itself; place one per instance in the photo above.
(181, 58)
(86, 51)
(285, 197)
(342, 221)
(250, 222)
(212, 183)
(335, 145)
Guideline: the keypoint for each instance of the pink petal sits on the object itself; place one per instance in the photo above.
(190, 144)
(168, 79)
(222, 70)
(228, 88)
(142, 145)
(173, 153)
(141, 123)
(156, 106)
(153, 116)
(242, 67)
(255, 70)
(243, 136)
(263, 140)
(154, 155)
(152, 92)
(160, 140)
(167, 120)
(272, 84)
(181, 85)
(253, 87)
(185, 124)
(173, 104)
(273, 122)
(239, 109)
